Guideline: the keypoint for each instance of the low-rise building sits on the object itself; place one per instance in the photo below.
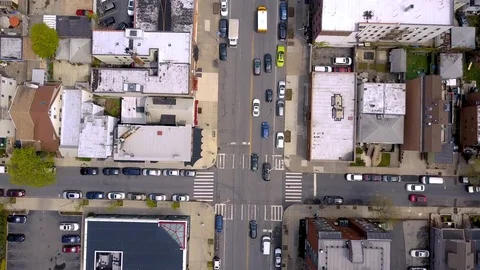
(470, 121)
(8, 87)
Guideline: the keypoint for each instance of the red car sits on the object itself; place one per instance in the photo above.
(15, 193)
(71, 249)
(342, 69)
(84, 12)
(417, 198)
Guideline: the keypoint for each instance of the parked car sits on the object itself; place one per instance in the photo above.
(223, 28)
(333, 200)
(216, 263)
(280, 140)
(372, 177)
(111, 171)
(278, 257)
(132, 171)
(71, 249)
(266, 169)
(283, 12)
(2, 192)
(417, 198)
(15, 237)
(130, 8)
(280, 107)
(134, 196)
(253, 229)
(268, 95)
(265, 130)
(256, 107)
(180, 198)
(463, 180)
(116, 195)
(84, 12)
(322, 69)
(353, 177)
(222, 51)
(95, 195)
(71, 239)
(419, 253)
(17, 219)
(267, 62)
(171, 172)
(108, 21)
(16, 193)
(157, 197)
(342, 69)
(189, 173)
(254, 162)
(224, 8)
(344, 61)
(72, 194)
(89, 171)
(69, 226)
(473, 189)
(415, 187)
(280, 56)
(391, 178)
(281, 89)
(121, 26)
(152, 172)
(282, 31)
(257, 66)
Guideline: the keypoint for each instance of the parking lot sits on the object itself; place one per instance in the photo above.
(42, 248)
(324, 56)
(408, 235)
(119, 13)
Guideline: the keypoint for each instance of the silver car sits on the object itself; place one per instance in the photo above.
(278, 257)
(72, 194)
(257, 66)
(281, 89)
(116, 195)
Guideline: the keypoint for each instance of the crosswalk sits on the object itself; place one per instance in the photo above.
(203, 186)
(293, 187)
(232, 161)
(249, 212)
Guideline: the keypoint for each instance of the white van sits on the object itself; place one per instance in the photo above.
(432, 180)
(266, 245)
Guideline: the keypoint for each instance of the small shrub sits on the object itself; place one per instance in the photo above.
(83, 159)
(175, 205)
(151, 203)
(358, 151)
(210, 241)
(210, 264)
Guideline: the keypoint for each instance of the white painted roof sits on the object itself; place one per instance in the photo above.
(96, 140)
(330, 139)
(154, 143)
(71, 114)
(343, 15)
(131, 114)
(384, 98)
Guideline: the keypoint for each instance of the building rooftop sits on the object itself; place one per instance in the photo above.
(179, 18)
(463, 37)
(11, 48)
(153, 143)
(332, 116)
(96, 139)
(343, 15)
(134, 243)
(71, 110)
(383, 98)
(7, 91)
(182, 15)
(147, 15)
(451, 65)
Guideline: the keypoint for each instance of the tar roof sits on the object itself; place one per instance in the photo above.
(146, 244)
(11, 48)
(73, 26)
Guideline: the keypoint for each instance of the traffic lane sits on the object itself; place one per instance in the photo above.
(257, 259)
(236, 245)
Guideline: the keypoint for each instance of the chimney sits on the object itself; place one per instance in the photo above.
(408, 8)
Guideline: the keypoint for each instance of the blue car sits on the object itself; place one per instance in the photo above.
(71, 239)
(265, 129)
(283, 12)
(95, 195)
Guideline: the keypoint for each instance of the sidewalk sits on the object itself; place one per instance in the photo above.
(293, 214)
(202, 217)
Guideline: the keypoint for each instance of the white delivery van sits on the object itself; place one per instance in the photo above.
(3, 169)
(266, 245)
(432, 180)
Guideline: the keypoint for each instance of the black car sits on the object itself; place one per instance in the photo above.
(268, 95)
(71, 239)
(253, 229)
(95, 195)
(111, 171)
(333, 200)
(121, 26)
(254, 162)
(17, 219)
(132, 171)
(222, 51)
(16, 237)
(89, 171)
(267, 61)
(266, 169)
(108, 21)
(222, 28)
(16, 193)
(282, 31)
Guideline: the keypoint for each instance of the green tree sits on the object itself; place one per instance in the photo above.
(27, 168)
(474, 173)
(382, 208)
(151, 203)
(44, 40)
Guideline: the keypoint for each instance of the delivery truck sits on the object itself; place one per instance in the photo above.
(262, 19)
(233, 26)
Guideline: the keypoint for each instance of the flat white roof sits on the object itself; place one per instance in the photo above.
(172, 47)
(332, 139)
(343, 15)
(133, 110)
(72, 114)
(384, 98)
(153, 143)
(171, 79)
(96, 140)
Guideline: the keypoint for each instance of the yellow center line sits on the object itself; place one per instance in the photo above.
(251, 93)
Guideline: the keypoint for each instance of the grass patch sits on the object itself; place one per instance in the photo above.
(50, 71)
(3, 233)
(151, 203)
(83, 159)
(385, 160)
(358, 163)
(417, 63)
(358, 150)
(381, 67)
(363, 66)
(112, 107)
(175, 205)
(473, 74)
(210, 241)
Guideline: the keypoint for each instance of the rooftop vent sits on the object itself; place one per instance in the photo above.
(368, 15)
(409, 8)
(134, 33)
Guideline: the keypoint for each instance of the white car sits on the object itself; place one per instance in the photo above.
(224, 8)
(278, 257)
(419, 253)
(171, 172)
(353, 177)
(69, 226)
(152, 172)
(157, 197)
(116, 195)
(322, 69)
(216, 263)
(130, 8)
(72, 194)
(280, 140)
(189, 173)
(137, 196)
(342, 61)
(256, 107)
(281, 89)
(180, 198)
(415, 187)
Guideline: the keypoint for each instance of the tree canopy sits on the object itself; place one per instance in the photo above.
(27, 168)
(44, 40)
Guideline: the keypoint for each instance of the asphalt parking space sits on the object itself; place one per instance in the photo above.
(416, 237)
(119, 13)
(42, 248)
(324, 56)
